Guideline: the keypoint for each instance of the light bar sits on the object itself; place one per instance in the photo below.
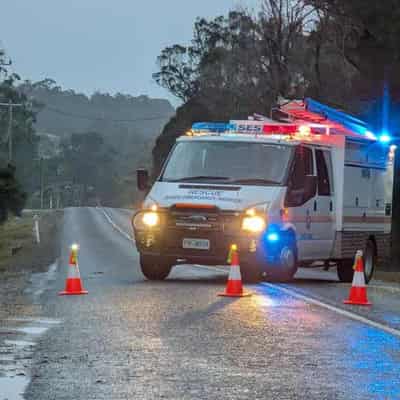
(219, 127)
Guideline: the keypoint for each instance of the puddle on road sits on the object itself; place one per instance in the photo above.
(16, 354)
(19, 335)
(19, 343)
(40, 281)
(13, 388)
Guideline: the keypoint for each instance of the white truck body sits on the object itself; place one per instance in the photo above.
(351, 205)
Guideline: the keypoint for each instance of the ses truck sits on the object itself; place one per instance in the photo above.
(312, 185)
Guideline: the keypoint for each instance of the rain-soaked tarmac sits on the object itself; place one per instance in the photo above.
(134, 339)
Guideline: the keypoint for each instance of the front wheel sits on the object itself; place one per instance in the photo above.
(287, 265)
(154, 268)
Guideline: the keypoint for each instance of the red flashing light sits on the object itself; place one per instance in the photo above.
(280, 129)
(301, 130)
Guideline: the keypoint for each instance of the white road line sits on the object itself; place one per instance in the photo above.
(115, 226)
(337, 310)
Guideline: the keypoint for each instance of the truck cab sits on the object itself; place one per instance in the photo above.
(276, 190)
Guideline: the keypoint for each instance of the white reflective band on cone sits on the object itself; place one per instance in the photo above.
(358, 279)
(73, 271)
(234, 273)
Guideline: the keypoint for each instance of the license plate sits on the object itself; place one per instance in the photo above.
(198, 244)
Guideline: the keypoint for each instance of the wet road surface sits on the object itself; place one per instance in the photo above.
(135, 339)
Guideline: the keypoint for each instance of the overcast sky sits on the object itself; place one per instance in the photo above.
(105, 45)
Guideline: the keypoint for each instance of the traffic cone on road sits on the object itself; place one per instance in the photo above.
(73, 284)
(234, 287)
(358, 291)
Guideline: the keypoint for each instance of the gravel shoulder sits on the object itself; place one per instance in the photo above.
(16, 270)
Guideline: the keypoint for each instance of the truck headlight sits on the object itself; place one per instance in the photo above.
(147, 219)
(254, 224)
(151, 219)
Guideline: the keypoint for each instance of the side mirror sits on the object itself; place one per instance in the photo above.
(142, 179)
(310, 187)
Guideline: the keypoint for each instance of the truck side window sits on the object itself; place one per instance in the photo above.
(324, 186)
(301, 168)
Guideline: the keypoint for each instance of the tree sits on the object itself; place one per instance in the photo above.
(12, 197)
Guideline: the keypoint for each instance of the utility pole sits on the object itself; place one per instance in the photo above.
(10, 106)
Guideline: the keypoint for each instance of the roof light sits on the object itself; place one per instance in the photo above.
(304, 130)
(283, 129)
(219, 127)
(370, 135)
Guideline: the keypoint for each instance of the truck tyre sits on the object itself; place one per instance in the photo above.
(154, 268)
(287, 265)
(369, 260)
(345, 270)
(251, 272)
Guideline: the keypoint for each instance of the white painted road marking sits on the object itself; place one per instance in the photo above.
(337, 310)
(115, 226)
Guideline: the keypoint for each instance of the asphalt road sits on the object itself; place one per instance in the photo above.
(134, 339)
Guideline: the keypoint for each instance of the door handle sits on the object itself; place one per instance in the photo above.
(315, 205)
(331, 206)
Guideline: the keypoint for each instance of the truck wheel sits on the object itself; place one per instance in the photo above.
(154, 268)
(345, 270)
(369, 260)
(251, 272)
(287, 265)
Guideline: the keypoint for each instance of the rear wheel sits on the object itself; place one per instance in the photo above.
(154, 268)
(369, 260)
(345, 268)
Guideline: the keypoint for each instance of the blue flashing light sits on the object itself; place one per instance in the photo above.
(219, 127)
(352, 123)
(273, 237)
(385, 138)
(370, 135)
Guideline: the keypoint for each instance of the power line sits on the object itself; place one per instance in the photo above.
(87, 117)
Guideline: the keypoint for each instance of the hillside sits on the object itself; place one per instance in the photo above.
(127, 123)
(129, 126)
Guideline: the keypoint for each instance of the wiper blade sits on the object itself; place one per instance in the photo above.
(255, 181)
(200, 177)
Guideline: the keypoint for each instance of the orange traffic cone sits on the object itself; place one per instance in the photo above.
(73, 284)
(358, 291)
(234, 286)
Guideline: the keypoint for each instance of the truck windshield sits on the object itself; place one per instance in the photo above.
(228, 162)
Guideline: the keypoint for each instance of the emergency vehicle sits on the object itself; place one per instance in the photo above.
(311, 185)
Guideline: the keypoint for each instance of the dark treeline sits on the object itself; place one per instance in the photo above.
(343, 53)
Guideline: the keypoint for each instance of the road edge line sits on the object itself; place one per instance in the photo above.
(338, 310)
(114, 225)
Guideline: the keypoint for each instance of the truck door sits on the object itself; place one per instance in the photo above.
(324, 207)
(299, 201)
